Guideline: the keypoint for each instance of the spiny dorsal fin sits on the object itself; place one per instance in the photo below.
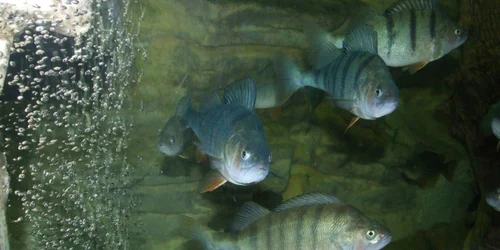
(242, 92)
(210, 101)
(307, 200)
(362, 38)
(322, 49)
(249, 212)
(407, 5)
(183, 106)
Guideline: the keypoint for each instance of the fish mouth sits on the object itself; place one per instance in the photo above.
(385, 108)
(166, 150)
(385, 241)
(256, 173)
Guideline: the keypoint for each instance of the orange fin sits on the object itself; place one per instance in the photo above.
(199, 156)
(498, 146)
(211, 181)
(277, 111)
(415, 67)
(354, 120)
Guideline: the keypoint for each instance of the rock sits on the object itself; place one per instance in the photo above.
(329, 161)
(280, 166)
(417, 121)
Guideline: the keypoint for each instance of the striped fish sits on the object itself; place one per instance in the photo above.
(412, 33)
(357, 78)
(310, 221)
(231, 135)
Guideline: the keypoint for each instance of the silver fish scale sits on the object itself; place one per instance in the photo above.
(214, 127)
(341, 77)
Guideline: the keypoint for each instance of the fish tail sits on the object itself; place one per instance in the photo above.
(323, 47)
(190, 229)
(289, 79)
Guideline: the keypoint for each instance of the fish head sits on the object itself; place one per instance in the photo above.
(453, 35)
(493, 199)
(248, 157)
(380, 95)
(171, 139)
(371, 235)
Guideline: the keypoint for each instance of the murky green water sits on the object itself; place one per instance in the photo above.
(81, 119)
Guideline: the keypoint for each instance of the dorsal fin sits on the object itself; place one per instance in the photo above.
(308, 199)
(242, 92)
(182, 106)
(249, 212)
(407, 5)
(322, 49)
(362, 38)
(211, 100)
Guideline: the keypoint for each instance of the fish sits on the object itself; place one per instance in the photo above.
(495, 127)
(171, 138)
(412, 33)
(356, 78)
(493, 199)
(231, 135)
(309, 221)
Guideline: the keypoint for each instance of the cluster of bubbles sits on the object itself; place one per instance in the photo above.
(66, 131)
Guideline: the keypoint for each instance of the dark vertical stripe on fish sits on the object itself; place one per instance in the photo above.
(331, 82)
(432, 24)
(367, 60)
(390, 33)
(316, 219)
(347, 66)
(298, 230)
(327, 75)
(413, 30)
(282, 229)
(268, 231)
(253, 236)
(238, 117)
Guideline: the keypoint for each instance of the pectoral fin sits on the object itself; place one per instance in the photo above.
(354, 120)
(415, 67)
(277, 111)
(199, 156)
(211, 181)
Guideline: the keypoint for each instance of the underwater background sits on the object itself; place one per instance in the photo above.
(80, 116)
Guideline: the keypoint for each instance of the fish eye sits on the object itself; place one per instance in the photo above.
(370, 234)
(245, 155)
(378, 92)
(458, 32)
(171, 140)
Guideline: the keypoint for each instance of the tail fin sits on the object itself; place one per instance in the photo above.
(190, 229)
(322, 46)
(289, 79)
